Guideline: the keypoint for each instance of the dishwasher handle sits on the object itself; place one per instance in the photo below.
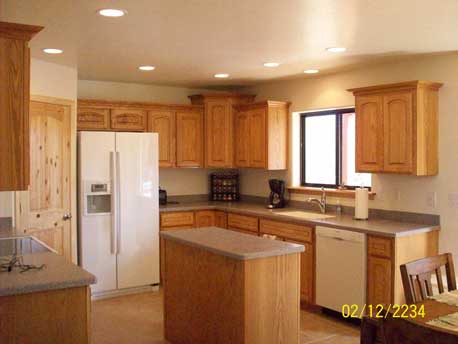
(339, 234)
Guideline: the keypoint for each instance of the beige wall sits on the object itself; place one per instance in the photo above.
(91, 89)
(329, 91)
(175, 181)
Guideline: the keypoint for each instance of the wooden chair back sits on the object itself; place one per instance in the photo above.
(391, 330)
(416, 276)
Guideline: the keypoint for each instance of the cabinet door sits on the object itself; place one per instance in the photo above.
(93, 118)
(189, 139)
(205, 218)
(220, 219)
(398, 132)
(14, 114)
(379, 280)
(219, 137)
(128, 119)
(307, 271)
(242, 139)
(258, 143)
(369, 134)
(163, 123)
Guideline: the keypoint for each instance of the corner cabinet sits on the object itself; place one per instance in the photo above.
(219, 126)
(261, 135)
(397, 128)
(14, 104)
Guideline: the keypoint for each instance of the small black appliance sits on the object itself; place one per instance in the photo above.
(277, 194)
(162, 197)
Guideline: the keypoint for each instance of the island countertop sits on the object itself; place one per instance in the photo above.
(231, 244)
(57, 273)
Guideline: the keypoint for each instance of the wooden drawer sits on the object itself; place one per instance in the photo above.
(247, 223)
(177, 219)
(287, 230)
(378, 246)
(242, 231)
(93, 118)
(128, 119)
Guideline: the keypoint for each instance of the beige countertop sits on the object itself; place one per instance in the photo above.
(231, 244)
(382, 227)
(56, 274)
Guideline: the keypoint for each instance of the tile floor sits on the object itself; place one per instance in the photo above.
(137, 319)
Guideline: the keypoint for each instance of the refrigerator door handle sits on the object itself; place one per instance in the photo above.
(118, 202)
(114, 204)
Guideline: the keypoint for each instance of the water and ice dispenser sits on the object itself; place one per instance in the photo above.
(97, 198)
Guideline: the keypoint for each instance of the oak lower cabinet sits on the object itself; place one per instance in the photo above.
(384, 257)
(205, 218)
(51, 316)
(221, 219)
(14, 104)
(172, 221)
(261, 135)
(397, 128)
(302, 235)
(219, 126)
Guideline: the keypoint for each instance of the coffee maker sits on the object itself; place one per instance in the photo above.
(277, 194)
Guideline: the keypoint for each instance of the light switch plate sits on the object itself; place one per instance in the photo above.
(453, 199)
(431, 199)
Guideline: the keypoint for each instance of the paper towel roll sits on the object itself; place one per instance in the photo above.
(361, 204)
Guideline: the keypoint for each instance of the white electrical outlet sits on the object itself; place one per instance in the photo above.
(453, 199)
(398, 195)
(431, 199)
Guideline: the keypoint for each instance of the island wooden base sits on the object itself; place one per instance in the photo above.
(48, 317)
(209, 298)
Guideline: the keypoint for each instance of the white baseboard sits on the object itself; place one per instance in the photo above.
(122, 292)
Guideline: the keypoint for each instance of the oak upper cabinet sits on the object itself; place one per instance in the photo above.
(190, 140)
(397, 128)
(14, 104)
(92, 118)
(163, 122)
(369, 140)
(219, 126)
(126, 119)
(261, 135)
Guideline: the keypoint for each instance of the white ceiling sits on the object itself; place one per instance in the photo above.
(190, 40)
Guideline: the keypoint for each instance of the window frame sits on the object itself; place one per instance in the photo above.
(338, 113)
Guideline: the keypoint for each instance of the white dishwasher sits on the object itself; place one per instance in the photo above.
(340, 268)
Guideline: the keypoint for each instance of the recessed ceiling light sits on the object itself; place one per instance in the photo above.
(111, 12)
(271, 64)
(336, 49)
(53, 51)
(147, 68)
(311, 71)
(221, 75)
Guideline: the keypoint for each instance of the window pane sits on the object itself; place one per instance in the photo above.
(349, 176)
(320, 149)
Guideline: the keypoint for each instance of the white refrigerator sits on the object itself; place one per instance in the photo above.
(118, 209)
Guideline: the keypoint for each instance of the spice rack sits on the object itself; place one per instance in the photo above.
(224, 186)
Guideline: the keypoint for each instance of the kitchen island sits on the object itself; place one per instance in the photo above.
(227, 287)
(42, 305)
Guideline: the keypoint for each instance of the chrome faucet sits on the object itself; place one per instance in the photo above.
(321, 203)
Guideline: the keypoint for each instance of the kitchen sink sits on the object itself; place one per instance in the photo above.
(305, 215)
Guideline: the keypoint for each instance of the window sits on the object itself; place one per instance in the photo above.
(328, 150)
